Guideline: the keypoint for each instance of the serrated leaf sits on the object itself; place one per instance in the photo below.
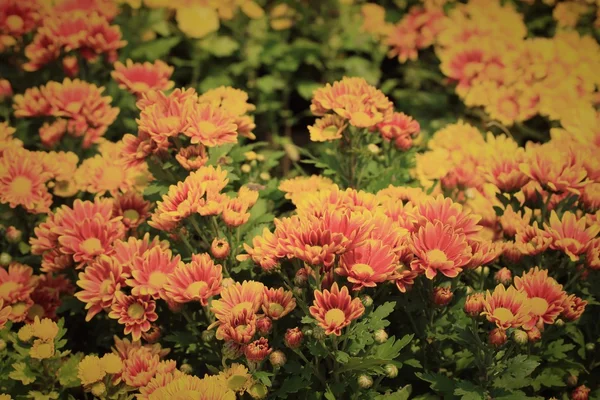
(342, 357)
(401, 394)
(439, 383)
(549, 377)
(517, 373)
(557, 350)
(468, 391)
(67, 374)
(21, 372)
(155, 49)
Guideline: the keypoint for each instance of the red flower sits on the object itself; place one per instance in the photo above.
(136, 313)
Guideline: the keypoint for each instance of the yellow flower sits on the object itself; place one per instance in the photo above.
(25, 333)
(90, 370)
(41, 349)
(188, 21)
(252, 10)
(111, 363)
(46, 329)
(5, 397)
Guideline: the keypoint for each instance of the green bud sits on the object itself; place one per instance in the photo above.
(391, 370)
(365, 381)
(5, 259)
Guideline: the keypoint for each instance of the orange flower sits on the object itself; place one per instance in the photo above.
(139, 367)
(192, 157)
(22, 181)
(126, 252)
(211, 126)
(277, 303)
(335, 309)
(327, 129)
(209, 388)
(4, 313)
(532, 240)
(545, 295)
(17, 283)
(573, 307)
(235, 212)
(591, 196)
(6, 91)
(569, 234)
(150, 272)
(298, 187)
(106, 8)
(6, 137)
(592, 256)
(138, 78)
(449, 213)
(133, 208)
(136, 313)
(100, 281)
(198, 280)
(439, 248)
(239, 325)
(264, 250)
(507, 308)
(18, 17)
(248, 294)
(353, 99)
(404, 279)
(257, 350)
(512, 221)
(484, 252)
(400, 129)
(368, 264)
(235, 103)
(417, 30)
(106, 173)
(501, 166)
(158, 381)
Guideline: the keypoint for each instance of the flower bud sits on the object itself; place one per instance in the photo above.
(186, 369)
(391, 371)
(6, 91)
(442, 296)
(297, 291)
(98, 389)
(219, 248)
(152, 335)
(277, 358)
(319, 333)
(264, 325)
(373, 148)
(580, 393)
(208, 335)
(380, 336)
(503, 276)
(572, 380)
(474, 304)
(367, 301)
(265, 176)
(293, 338)
(258, 391)
(520, 337)
(70, 66)
(559, 322)
(226, 282)
(301, 277)
(365, 381)
(231, 350)
(534, 334)
(497, 337)
(13, 235)
(246, 168)
(2, 345)
(5, 259)
(590, 346)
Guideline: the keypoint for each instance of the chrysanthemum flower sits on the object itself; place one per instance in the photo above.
(100, 281)
(335, 309)
(138, 78)
(439, 248)
(192, 157)
(417, 30)
(368, 264)
(299, 186)
(449, 213)
(592, 255)
(106, 8)
(149, 273)
(158, 381)
(570, 235)
(484, 252)
(17, 283)
(263, 251)
(90, 239)
(5, 311)
(6, 137)
(209, 388)
(233, 101)
(139, 367)
(374, 20)
(90, 370)
(133, 208)
(546, 296)
(532, 240)
(257, 350)
(353, 99)
(61, 166)
(590, 196)
(22, 181)
(501, 166)
(239, 325)
(328, 128)
(235, 212)
(399, 128)
(198, 280)
(573, 307)
(104, 173)
(507, 308)
(126, 252)
(210, 126)
(239, 295)
(277, 303)
(512, 221)
(136, 313)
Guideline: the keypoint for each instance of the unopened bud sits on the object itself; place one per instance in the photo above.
(2, 345)
(474, 304)
(277, 358)
(98, 389)
(559, 322)
(264, 325)
(13, 235)
(231, 350)
(590, 346)
(265, 176)
(258, 391)
(5, 259)
(367, 301)
(503, 276)
(580, 393)
(442, 296)
(572, 380)
(365, 381)
(297, 291)
(497, 337)
(301, 277)
(246, 168)
(208, 335)
(293, 338)
(373, 148)
(534, 334)
(520, 337)
(391, 370)
(186, 369)
(380, 336)
(319, 333)
(219, 248)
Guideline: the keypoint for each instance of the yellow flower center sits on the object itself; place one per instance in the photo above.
(206, 127)
(157, 279)
(19, 309)
(7, 288)
(14, 22)
(131, 214)
(21, 186)
(361, 119)
(105, 286)
(335, 317)
(242, 306)
(503, 314)
(135, 311)
(538, 305)
(275, 309)
(437, 256)
(36, 311)
(362, 270)
(196, 289)
(91, 245)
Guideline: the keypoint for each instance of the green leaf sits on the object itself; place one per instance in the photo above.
(219, 46)
(307, 88)
(377, 318)
(517, 372)
(155, 49)
(156, 189)
(557, 350)
(292, 385)
(24, 248)
(549, 377)
(269, 84)
(468, 391)
(401, 394)
(21, 372)
(440, 383)
(391, 348)
(67, 374)
(342, 357)
(357, 66)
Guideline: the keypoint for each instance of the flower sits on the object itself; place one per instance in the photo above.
(580, 393)
(368, 264)
(474, 304)
(111, 363)
(192, 157)
(17, 283)
(400, 129)
(219, 248)
(132, 207)
(235, 212)
(404, 279)
(257, 350)
(248, 294)
(497, 337)
(442, 296)
(569, 234)
(439, 248)
(188, 17)
(138, 78)
(545, 296)
(300, 185)
(139, 366)
(187, 386)
(449, 213)
(100, 281)
(417, 30)
(327, 129)
(90, 239)
(573, 307)
(532, 240)
(136, 313)
(277, 303)
(150, 273)
(507, 308)
(22, 181)
(293, 338)
(5, 312)
(90, 370)
(503, 276)
(42, 349)
(264, 325)
(501, 167)
(239, 325)
(335, 309)
(45, 329)
(198, 280)
(211, 126)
